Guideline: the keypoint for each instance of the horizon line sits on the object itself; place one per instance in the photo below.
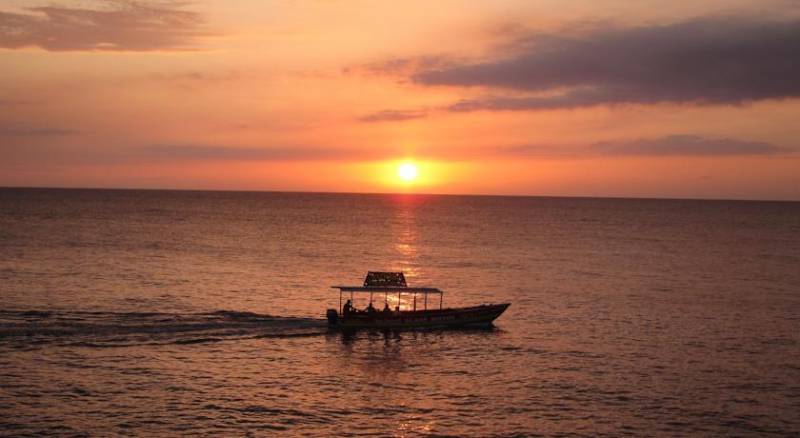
(315, 192)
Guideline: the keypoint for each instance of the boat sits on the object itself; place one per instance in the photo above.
(386, 283)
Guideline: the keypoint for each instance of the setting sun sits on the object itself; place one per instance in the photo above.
(407, 172)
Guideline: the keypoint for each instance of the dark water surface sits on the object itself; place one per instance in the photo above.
(175, 313)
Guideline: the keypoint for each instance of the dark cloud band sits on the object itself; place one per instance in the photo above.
(703, 61)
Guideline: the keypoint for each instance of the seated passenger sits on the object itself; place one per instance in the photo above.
(370, 309)
(386, 308)
(348, 307)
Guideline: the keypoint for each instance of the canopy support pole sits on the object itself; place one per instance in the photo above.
(415, 301)
(426, 301)
(340, 301)
(370, 297)
(441, 298)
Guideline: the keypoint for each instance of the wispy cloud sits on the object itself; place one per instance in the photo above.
(194, 80)
(17, 102)
(401, 66)
(196, 77)
(122, 25)
(394, 116)
(13, 130)
(705, 61)
(52, 152)
(688, 145)
(679, 145)
(671, 145)
(201, 152)
(19, 150)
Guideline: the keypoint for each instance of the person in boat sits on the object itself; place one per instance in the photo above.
(348, 307)
(386, 309)
(370, 309)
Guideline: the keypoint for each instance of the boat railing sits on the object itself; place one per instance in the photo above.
(386, 290)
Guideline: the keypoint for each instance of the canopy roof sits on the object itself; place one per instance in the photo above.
(385, 279)
(410, 290)
(387, 282)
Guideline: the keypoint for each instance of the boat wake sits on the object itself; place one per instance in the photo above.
(34, 328)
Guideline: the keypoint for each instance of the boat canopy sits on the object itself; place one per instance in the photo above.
(387, 282)
(373, 289)
(385, 279)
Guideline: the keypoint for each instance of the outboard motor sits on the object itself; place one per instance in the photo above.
(333, 317)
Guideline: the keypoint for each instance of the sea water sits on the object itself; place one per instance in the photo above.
(177, 312)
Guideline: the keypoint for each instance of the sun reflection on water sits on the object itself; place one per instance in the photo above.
(406, 243)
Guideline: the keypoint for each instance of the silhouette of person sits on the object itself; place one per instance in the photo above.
(348, 307)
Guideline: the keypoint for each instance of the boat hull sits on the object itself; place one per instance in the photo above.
(476, 316)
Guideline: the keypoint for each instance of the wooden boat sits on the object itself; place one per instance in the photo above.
(386, 283)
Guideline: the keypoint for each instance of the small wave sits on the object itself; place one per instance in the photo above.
(36, 314)
(197, 341)
(31, 328)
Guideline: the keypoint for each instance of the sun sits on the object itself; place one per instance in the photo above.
(407, 172)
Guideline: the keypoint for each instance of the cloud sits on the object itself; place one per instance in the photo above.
(682, 145)
(688, 145)
(394, 116)
(196, 77)
(191, 81)
(127, 25)
(33, 131)
(186, 152)
(404, 66)
(570, 99)
(51, 153)
(672, 145)
(727, 61)
(18, 102)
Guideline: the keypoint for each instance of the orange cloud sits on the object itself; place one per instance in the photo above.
(128, 26)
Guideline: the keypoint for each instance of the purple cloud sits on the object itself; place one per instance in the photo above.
(726, 61)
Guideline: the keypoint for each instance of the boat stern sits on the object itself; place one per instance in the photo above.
(333, 317)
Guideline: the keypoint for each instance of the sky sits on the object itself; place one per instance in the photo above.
(698, 99)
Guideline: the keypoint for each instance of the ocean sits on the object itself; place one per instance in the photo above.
(163, 313)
